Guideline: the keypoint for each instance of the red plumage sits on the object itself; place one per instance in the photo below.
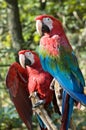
(38, 79)
(21, 82)
(16, 82)
(57, 29)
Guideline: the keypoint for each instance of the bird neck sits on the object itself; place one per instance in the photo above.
(64, 39)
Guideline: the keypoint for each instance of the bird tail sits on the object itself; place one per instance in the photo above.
(67, 109)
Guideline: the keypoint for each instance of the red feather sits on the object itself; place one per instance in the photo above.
(38, 79)
(21, 82)
(16, 82)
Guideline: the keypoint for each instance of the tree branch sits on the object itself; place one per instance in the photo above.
(42, 113)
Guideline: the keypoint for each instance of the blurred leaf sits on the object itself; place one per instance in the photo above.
(74, 25)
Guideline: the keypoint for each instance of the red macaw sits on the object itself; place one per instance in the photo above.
(22, 80)
(38, 79)
(57, 57)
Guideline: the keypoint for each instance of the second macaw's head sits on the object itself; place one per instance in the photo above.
(28, 58)
(46, 24)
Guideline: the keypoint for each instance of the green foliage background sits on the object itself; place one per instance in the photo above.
(72, 13)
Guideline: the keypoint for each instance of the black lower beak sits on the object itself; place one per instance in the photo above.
(45, 28)
(27, 62)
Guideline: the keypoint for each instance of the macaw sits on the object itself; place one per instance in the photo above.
(38, 80)
(58, 58)
(25, 78)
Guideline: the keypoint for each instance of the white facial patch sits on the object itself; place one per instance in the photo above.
(47, 21)
(30, 56)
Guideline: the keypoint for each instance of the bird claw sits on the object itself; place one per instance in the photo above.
(57, 38)
(34, 94)
(40, 102)
(52, 84)
(36, 101)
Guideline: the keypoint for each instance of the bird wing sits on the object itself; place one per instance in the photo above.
(16, 82)
(76, 70)
(57, 67)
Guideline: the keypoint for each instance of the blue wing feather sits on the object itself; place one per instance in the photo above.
(68, 81)
(75, 68)
(71, 104)
(72, 82)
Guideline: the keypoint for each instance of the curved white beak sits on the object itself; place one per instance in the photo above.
(22, 60)
(39, 26)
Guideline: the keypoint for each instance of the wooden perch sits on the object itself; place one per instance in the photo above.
(58, 93)
(42, 112)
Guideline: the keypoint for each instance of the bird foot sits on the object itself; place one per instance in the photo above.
(40, 102)
(34, 94)
(36, 101)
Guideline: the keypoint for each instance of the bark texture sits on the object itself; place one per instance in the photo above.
(14, 24)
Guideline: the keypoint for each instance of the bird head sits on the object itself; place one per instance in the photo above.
(46, 24)
(27, 58)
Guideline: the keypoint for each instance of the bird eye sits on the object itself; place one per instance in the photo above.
(46, 20)
(29, 53)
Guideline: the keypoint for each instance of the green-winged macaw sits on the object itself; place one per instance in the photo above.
(25, 78)
(58, 58)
